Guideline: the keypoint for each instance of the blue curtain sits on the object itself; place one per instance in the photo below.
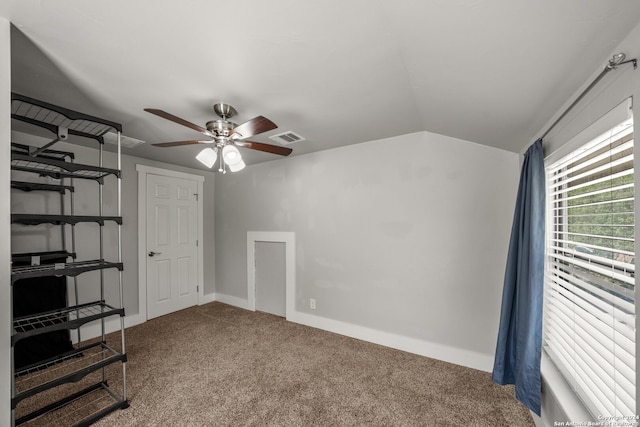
(517, 359)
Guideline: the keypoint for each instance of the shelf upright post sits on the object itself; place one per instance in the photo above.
(101, 228)
(13, 368)
(119, 190)
(63, 232)
(73, 250)
(63, 229)
(101, 213)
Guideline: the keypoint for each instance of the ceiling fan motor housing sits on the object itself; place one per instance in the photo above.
(220, 127)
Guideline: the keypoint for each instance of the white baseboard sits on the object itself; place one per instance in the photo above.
(231, 300)
(445, 353)
(470, 359)
(207, 298)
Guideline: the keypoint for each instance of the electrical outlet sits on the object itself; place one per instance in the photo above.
(312, 303)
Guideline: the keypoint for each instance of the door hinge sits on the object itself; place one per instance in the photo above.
(197, 288)
(196, 194)
(197, 243)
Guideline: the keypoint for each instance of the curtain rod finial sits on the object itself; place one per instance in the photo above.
(616, 60)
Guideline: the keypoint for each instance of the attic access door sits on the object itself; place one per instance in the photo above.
(288, 238)
(170, 253)
(270, 278)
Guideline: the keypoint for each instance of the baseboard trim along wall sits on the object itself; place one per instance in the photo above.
(231, 300)
(470, 359)
(207, 298)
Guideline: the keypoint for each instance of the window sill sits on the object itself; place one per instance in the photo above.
(558, 399)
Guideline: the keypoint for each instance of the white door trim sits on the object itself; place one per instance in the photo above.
(289, 240)
(143, 171)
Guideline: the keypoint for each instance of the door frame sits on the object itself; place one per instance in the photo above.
(289, 240)
(143, 171)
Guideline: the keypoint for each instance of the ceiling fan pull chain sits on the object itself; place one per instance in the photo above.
(221, 168)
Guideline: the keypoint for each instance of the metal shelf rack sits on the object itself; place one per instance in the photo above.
(52, 388)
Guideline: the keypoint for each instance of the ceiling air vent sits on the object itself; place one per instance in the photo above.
(287, 138)
(125, 141)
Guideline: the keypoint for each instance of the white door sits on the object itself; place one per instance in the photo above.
(172, 230)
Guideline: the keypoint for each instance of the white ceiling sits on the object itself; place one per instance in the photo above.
(336, 72)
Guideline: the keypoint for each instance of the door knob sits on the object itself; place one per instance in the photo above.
(154, 253)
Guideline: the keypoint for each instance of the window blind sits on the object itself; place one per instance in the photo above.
(589, 300)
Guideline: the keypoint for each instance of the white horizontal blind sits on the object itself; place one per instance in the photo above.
(589, 302)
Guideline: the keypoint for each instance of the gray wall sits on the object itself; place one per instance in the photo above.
(5, 251)
(406, 235)
(29, 239)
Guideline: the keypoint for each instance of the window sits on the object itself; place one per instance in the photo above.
(589, 300)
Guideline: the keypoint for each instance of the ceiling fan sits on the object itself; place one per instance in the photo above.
(225, 137)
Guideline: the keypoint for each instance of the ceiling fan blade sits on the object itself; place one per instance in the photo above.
(178, 143)
(253, 127)
(178, 120)
(274, 149)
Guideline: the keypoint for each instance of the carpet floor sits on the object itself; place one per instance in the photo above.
(218, 365)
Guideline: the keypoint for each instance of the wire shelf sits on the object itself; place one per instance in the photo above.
(70, 367)
(37, 186)
(36, 219)
(53, 117)
(47, 153)
(67, 318)
(61, 269)
(28, 258)
(80, 409)
(57, 169)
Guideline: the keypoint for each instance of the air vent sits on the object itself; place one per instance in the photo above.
(125, 141)
(287, 138)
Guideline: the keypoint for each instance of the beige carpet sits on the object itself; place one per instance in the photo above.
(217, 365)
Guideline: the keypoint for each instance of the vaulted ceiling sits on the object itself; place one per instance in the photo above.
(335, 72)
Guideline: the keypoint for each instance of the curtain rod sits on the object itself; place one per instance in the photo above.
(614, 63)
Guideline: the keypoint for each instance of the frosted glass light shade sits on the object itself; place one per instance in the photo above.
(237, 167)
(207, 157)
(231, 156)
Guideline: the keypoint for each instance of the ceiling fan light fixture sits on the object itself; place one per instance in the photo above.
(224, 134)
(207, 157)
(231, 155)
